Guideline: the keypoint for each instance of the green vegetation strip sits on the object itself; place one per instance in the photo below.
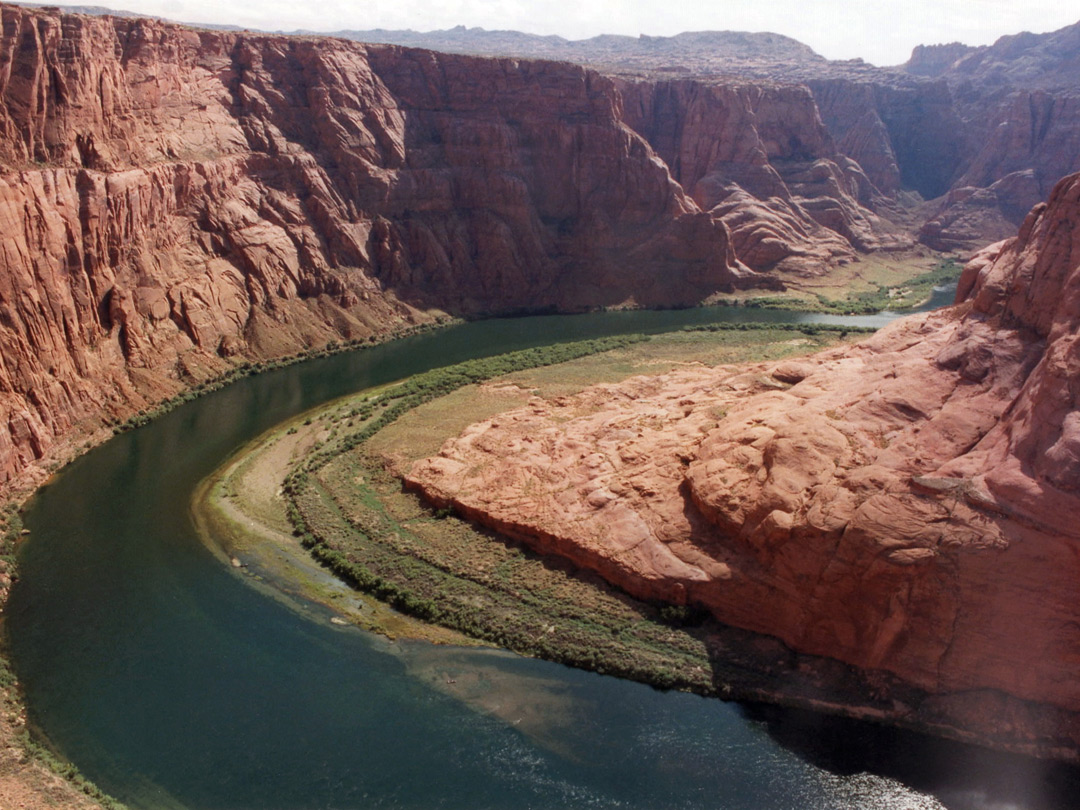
(804, 328)
(425, 387)
(350, 512)
(444, 570)
(899, 298)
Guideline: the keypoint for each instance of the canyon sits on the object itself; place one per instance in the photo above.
(906, 505)
(175, 202)
(981, 134)
(178, 202)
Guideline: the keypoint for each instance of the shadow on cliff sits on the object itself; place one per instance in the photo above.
(961, 777)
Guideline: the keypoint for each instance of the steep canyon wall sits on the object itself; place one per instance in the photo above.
(906, 505)
(175, 200)
(984, 132)
(758, 157)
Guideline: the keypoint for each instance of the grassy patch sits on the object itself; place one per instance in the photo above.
(881, 296)
(442, 569)
(809, 329)
(349, 509)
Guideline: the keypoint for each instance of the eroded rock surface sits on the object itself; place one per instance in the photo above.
(176, 201)
(758, 157)
(952, 118)
(909, 504)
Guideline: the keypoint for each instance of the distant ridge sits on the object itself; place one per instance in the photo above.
(103, 11)
(1048, 61)
(691, 51)
(730, 44)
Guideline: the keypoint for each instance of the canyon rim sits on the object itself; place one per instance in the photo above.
(178, 203)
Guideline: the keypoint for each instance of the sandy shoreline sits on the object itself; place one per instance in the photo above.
(241, 518)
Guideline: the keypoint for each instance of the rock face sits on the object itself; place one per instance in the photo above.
(987, 130)
(1035, 61)
(909, 133)
(174, 201)
(906, 505)
(758, 157)
(952, 121)
(934, 60)
(179, 201)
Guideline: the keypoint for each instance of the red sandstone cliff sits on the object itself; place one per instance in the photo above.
(173, 198)
(988, 136)
(906, 505)
(992, 127)
(758, 157)
(177, 198)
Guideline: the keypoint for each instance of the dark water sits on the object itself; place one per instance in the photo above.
(170, 683)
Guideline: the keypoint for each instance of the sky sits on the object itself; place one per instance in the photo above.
(882, 32)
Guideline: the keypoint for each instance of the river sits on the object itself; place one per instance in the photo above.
(169, 682)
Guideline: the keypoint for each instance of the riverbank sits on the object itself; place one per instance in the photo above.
(239, 513)
(114, 535)
(31, 776)
(895, 282)
(866, 287)
(358, 521)
(340, 473)
(25, 759)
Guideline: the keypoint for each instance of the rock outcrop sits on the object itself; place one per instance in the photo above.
(907, 505)
(934, 60)
(758, 157)
(988, 130)
(176, 201)
(1025, 60)
(953, 118)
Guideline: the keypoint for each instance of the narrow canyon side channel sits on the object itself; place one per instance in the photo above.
(167, 681)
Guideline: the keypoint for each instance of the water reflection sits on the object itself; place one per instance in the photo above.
(961, 777)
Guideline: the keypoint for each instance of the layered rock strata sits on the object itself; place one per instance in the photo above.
(178, 201)
(175, 201)
(954, 120)
(906, 505)
(758, 157)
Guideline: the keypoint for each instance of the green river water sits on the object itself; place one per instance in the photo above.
(171, 683)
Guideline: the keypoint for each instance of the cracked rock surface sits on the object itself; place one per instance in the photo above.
(908, 504)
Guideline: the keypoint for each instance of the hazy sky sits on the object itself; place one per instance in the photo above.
(879, 31)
